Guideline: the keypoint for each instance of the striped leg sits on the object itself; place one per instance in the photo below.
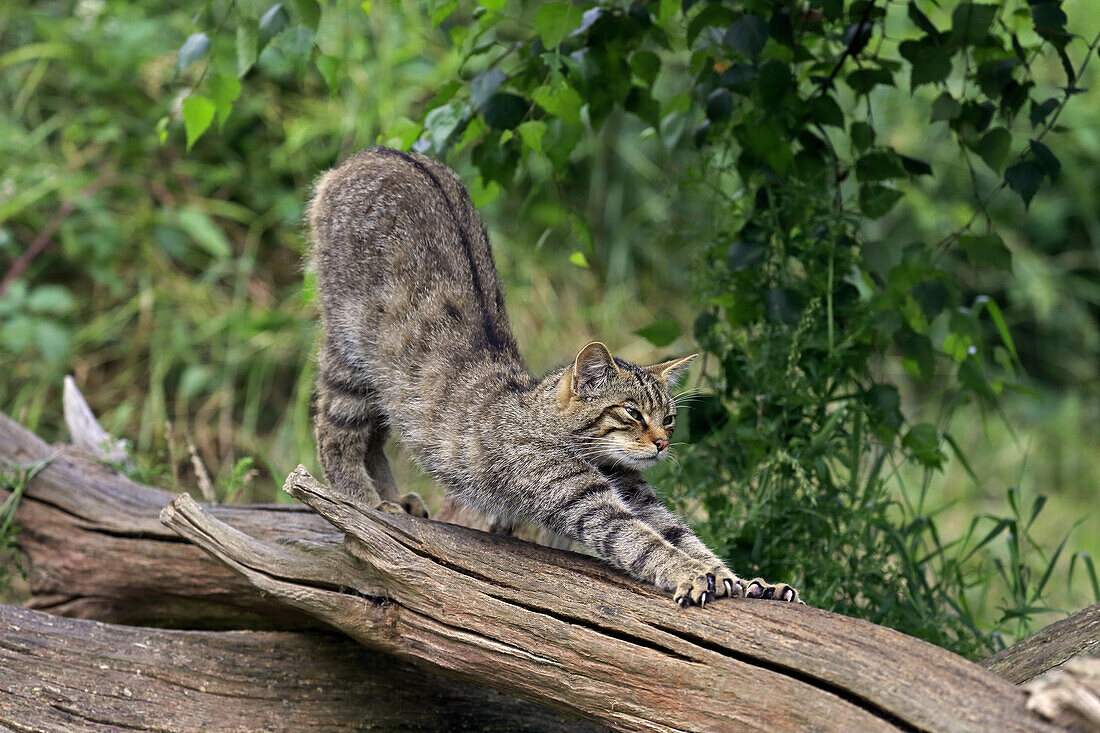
(351, 433)
(644, 502)
(590, 511)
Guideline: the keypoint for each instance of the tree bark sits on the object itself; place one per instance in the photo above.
(557, 628)
(1049, 647)
(95, 549)
(566, 631)
(61, 674)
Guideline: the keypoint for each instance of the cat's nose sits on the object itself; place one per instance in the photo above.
(661, 443)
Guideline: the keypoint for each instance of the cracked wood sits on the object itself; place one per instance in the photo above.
(566, 631)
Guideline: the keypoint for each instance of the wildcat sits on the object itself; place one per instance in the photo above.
(416, 338)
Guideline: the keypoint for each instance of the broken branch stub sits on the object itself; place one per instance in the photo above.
(568, 631)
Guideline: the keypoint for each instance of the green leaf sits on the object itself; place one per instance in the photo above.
(775, 82)
(560, 100)
(1024, 178)
(825, 111)
(248, 48)
(555, 21)
(329, 67)
(440, 123)
(970, 23)
(1040, 112)
(442, 12)
(224, 91)
(1048, 18)
(915, 167)
(986, 250)
(921, 20)
(402, 133)
(1002, 328)
(748, 34)
(881, 165)
(272, 23)
(1050, 164)
(531, 133)
(863, 135)
(309, 11)
(719, 105)
(578, 259)
(52, 340)
(923, 443)
(945, 108)
(767, 144)
(53, 300)
(876, 200)
(198, 113)
(931, 63)
(957, 346)
(483, 192)
(641, 103)
(660, 333)
(503, 111)
(485, 85)
(919, 359)
(192, 50)
(204, 232)
(645, 65)
(862, 81)
(993, 147)
(712, 14)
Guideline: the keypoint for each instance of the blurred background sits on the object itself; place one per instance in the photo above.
(172, 282)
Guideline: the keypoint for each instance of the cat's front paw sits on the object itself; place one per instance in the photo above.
(695, 586)
(762, 589)
(701, 584)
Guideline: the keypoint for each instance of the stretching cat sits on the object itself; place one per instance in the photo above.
(417, 338)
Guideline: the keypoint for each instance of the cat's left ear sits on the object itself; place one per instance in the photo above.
(670, 372)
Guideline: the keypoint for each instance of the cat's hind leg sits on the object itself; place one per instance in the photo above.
(378, 468)
(351, 433)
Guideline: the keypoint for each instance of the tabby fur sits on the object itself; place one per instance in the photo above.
(417, 339)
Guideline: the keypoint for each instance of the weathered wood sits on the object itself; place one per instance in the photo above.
(1068, 695)
(61, 674)
(1048, 647)
(85, 432)
(95, 548)
(567, 631)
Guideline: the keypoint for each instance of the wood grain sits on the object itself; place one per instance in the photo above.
(566, 631)
(59, 674)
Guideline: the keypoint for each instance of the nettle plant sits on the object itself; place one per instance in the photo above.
(804, 312)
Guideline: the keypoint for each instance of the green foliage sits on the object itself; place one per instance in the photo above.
(803, 305)
(805, 160)
(13, 480)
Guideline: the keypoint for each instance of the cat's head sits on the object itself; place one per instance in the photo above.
(620, 414)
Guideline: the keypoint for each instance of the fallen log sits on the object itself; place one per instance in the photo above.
(95, 549)
(99, 521)
(60, 674)
(566, 631)
(1050, 646)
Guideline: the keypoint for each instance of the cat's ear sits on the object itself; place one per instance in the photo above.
(670, 372)
(592, 368)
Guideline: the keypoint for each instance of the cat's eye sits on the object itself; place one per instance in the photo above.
(634, 414)
(669, 419)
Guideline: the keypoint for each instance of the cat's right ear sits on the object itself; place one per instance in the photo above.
(593, 368)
